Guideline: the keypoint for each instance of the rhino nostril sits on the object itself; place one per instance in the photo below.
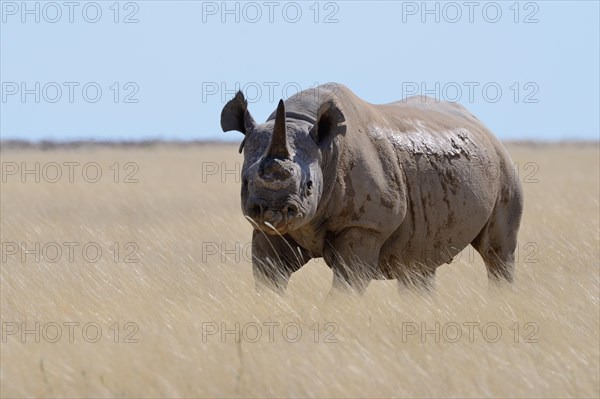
(309, 186)
(256, 211)
(290, 211)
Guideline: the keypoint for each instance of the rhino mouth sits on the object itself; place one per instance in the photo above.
(272, 230)
(274, 219)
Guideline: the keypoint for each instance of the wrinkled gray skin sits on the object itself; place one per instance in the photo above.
(379, 191)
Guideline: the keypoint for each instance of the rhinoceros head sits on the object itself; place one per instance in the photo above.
(282, 175)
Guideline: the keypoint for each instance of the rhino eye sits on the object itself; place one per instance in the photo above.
(309, 184)
(245, 183)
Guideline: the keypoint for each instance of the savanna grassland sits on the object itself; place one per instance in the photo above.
(155, 257)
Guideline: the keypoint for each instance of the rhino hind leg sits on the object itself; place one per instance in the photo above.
(497, 242)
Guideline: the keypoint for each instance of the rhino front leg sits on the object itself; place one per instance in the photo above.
(353, 256)
(274, 259)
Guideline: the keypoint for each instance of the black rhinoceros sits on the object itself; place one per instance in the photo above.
(378, 191)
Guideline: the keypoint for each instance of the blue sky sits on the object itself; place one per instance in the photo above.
(158, 69)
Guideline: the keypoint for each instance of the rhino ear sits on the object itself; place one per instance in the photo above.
(330, 122)
(235, 115)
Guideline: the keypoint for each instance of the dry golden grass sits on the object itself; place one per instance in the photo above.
(178, 285)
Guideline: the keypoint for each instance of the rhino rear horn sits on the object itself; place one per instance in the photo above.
(279, 146)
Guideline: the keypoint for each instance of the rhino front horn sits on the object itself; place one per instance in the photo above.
(279, 147)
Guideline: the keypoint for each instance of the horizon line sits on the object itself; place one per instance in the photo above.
(46, 144)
